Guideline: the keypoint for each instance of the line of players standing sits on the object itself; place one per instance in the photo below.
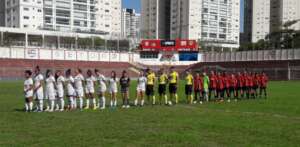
(76, 88)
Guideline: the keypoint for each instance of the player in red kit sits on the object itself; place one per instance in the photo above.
(246, 84)
(220, 87)
(256, 80)
(226, 78)
(240, 84)
(233, 87)
(213, 85)
(263, 84)
(251, 83)
(198, 87)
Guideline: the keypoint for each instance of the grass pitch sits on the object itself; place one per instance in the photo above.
(262, 122)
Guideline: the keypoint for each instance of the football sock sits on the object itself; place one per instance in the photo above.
(153, 100)
(142, 102)
(111, 103)
(103, 102)
(115, 103)
(30, 106)
(75, 102)
(166, 99)
(176, 98)
(81, 103)
(62, 103)
(191, 100)
(136, 101)
(52, 104)
(26, 107)
(94, 102)
(87, 103)
(41, 105)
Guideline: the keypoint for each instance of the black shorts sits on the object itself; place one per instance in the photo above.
(162, 89)
(124, 89)
(232, 89)
(245, 88)
(188, 89)
(173, 88)
(149, 90)
(212, 89)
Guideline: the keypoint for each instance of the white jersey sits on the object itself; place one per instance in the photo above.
(70, 89)
(141, 83)
(27, 85)
(101, 81)
(39, 93)
(50, 89)
(78, 85)
(113, 88)
(60, 86)
(89, 87)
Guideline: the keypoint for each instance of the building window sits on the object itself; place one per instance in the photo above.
(26, 9)
(26, 17)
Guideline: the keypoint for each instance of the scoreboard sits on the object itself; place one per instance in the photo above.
(169, 46)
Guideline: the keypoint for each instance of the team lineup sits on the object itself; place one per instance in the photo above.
(82, 92)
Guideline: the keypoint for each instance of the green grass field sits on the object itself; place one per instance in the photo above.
(247, 123)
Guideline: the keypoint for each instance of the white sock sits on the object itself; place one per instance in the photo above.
(115, 103)
(142, 103)
(136, 102)
(26, 107)
(74, 103)
(87, 103)
(41, 105)
(94, 102)
(103, 102)
(111, 103)
(52, 104)
(30, 106)
(81, 103)
(62, 104)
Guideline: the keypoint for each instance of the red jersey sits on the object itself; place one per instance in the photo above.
(251, 82)
(256, 81)
(221, 82)
(213, 81)
(198, 83)
(233, 82)
(263, 81)
(227, 81)
(240, 80)
(246, 80)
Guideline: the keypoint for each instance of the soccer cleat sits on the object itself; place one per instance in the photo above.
(86, 108)
(201, 102)
(127, 106)
(195, 102)
(61, 110)
(123, 106)
(228, 100)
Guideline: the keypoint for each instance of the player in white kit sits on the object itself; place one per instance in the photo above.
(38, 92)
(141, 88)
(102, 88)
(90, 90)
(28, 91)
(50, 90)
(71, 94)
(113, 89)
(60, 80)
(78, 80)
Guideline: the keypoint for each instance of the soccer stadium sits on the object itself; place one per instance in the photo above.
(174, 73)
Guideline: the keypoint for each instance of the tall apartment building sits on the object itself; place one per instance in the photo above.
(155, 19)
(130, 23)
(65, 15)
(216, 21)
(2, 13)
(265, 16)
(24, 13)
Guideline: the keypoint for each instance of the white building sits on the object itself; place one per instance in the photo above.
(65, 15)
(108, 16)
(24, 13)
(216, 22)
(130, 23)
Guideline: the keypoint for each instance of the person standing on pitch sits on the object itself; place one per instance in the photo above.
(189, 87)
(150, 86)
(125, 84)
(206, 83)
(78, 80)
(263, 84)
(60, 91)
(113, 89)
(90, 90)
(162, 81)
(213, 85)
(38, 89)
(173, 80)
(50, 90)
(71, 94)
(140, 90)
(198, 87)
(102, 88)
(28, 91)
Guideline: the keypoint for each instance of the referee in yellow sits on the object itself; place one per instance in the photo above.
(189, 79)
(173, 82)
(162, 86)
(150, 86)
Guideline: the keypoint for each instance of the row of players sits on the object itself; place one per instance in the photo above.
(78, 87)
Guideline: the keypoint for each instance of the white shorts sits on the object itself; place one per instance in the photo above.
(60, 93)
(71, 92)
(102, 90)
(38, 95)
(29, 94)
(79, 93)
(50, 95)
(89, 90)
(140, 89)
(113, 90)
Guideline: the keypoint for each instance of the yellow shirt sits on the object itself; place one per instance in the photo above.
(173, 77)
(189, 79)
(163, 79)
(150, 79)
